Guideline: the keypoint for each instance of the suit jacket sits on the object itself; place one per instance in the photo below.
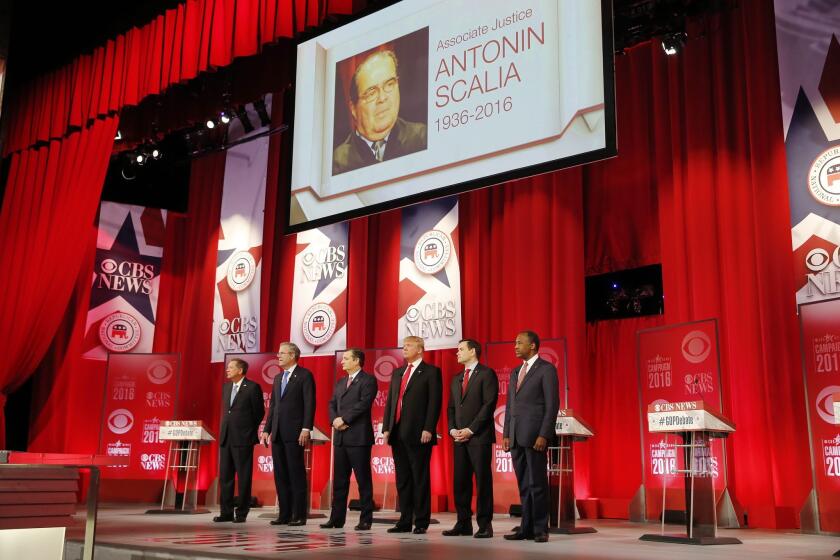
(532, 410)
(405, 138)
(420, 407)
(354, 404)
(475, 408)
(241, 420)
(295, 410)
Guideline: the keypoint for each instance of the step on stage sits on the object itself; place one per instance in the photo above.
(129, 534)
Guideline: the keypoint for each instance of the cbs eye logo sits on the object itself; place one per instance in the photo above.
(270, 370)
(696, 347)
(120, 421)
(384, 368)
(550, 356)
(499, 419)
(159, 372)
(825, 404)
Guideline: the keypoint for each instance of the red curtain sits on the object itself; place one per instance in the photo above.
(196, 36)
(50, 202)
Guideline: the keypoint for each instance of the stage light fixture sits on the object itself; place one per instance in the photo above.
(140, 159)
(156, 153)
(673, 43)
(211, 124)
(224, 117)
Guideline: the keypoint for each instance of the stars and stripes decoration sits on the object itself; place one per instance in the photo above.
(125, 280)
(319, 298)
(429, 295)
(236, 308)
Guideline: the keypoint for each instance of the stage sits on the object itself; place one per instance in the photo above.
(126, 533)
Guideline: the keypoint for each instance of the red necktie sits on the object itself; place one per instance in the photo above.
(464, 382)
(402, 390)
(522, 371)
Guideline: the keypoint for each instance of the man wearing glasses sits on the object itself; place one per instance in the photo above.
(379, 134)
(288, 425)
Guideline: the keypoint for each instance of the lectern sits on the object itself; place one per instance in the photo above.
(695, 425)
(185, 439)
(569, 428)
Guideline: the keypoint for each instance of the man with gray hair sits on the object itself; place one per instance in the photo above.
(290, 420)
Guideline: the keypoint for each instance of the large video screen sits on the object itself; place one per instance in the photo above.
(428, 98)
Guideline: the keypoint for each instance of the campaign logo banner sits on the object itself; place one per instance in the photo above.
(820, 324)
(678, 363)
(809, 75)
(126, 280)
(236, 306)
(429, 291)
(140, 393)
(319, 296)
(500, 357)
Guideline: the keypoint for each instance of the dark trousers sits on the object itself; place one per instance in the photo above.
(532, 477)
(357, 460)
(473, 460)
(235, 462)
(290, 479)
(414, 487)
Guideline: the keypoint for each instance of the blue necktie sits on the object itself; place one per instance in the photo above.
(233, 393)
(284, 382)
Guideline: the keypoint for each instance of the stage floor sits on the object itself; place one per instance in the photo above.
(129, 534)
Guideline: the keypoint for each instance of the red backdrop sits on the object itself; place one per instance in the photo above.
(699, 186)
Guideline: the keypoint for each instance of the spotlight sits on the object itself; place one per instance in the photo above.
(140, 159)
(673, 42)
(156, 153)
(224, 117)
(211, 123)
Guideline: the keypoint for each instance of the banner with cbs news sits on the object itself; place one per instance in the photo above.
(140, 393)
(319, 295)
(821, 351)
(429, 292)
(678, 363)
(500, 357)
(126, 280)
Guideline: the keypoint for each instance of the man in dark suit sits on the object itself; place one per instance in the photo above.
(379, 134)
(242, 412)
(350, 406)
(530, 415)
(409, 426)
(288, 427)
(472, 402)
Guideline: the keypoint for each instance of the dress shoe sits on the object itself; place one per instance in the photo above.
(297, 522)
(331, 525)
(419, 531)
(362, 527)
(239, 519)
(222, 518)
(485, 533)
(399, 529)
(279, 522)
(516, 536)
(541, 537)
(457, 532)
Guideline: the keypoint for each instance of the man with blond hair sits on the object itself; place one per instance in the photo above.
(410, 428)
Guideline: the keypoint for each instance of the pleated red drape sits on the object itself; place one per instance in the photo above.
(48, 210)
(196, 36)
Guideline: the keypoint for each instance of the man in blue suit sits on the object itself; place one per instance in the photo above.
(530, 415)
(288, 427)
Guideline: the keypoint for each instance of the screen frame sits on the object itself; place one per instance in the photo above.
(608, 151)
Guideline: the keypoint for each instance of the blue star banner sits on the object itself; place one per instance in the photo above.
(429, 294)
(125, 281)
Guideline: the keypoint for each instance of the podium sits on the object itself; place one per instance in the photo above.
(695, 426)
(570, 428)
(316, 437)
(185, 439)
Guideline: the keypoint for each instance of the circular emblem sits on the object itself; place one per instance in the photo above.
(432, 251)
(159, 372)
(824, 177)
(270, 370)
(550, 356)
(241, 271)
(384, 368)
(499, 419)
(109, 266)
(825, 404)
(119, 332)
(696, 347)
(319, 324)
(120, 421)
